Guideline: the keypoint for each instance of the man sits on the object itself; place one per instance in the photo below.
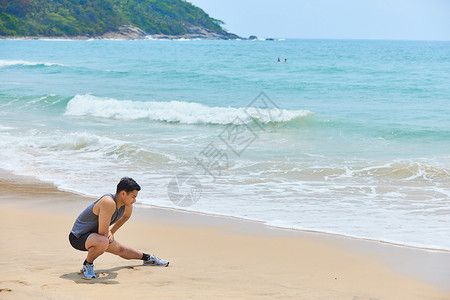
(92, 232)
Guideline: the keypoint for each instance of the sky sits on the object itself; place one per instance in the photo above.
(333, 19)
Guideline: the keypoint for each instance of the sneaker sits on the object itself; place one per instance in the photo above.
(154, 261)
(88, 271)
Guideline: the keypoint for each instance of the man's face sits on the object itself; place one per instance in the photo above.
(130, 197)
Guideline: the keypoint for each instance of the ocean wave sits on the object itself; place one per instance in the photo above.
(404, 171)
(393, 172)
(176, 111)
(107, 147)
(40, 102)
(9, 63)
(57, 40)
(86, 144)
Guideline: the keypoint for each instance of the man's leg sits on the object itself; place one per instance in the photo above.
(129, 253)
(96, 244)
(123, 251)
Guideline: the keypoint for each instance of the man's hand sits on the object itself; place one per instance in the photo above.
(110, 237)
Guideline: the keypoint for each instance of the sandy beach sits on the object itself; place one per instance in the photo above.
(210, 257)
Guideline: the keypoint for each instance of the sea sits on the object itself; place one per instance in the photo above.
(347, 137)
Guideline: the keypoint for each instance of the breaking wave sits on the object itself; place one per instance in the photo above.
(176, 111)
(9, 63)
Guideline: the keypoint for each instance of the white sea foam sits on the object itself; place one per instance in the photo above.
(7, 63)
(57, 40)
(175, 111)
(44, 155)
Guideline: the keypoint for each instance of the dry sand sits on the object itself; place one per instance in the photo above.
(210, 257)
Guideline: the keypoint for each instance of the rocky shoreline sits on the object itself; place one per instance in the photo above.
(194, 32)
(130, 32)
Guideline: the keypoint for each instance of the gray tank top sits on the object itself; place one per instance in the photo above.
(87, 221)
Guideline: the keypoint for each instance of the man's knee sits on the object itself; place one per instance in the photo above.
(98, 241)
(104, 243)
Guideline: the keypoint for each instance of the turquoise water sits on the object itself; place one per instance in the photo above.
(348, 137)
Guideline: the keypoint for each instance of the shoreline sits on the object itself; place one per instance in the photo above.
(84, 38)
(155, 37)
(388, 268)
(4, 172)
(130, 32)
(120, 37)
(338, 235)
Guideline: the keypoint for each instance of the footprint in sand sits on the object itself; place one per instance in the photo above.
(159, 283)
(15, 281)
(37, 269)
(8, 290)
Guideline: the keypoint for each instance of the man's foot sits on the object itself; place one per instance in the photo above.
(154, 261)
(88, 271)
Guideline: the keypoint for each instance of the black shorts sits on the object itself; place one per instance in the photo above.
(80, 242)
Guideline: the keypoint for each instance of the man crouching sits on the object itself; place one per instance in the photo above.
(92, 232)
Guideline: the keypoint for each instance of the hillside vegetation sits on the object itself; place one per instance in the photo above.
(97, 17)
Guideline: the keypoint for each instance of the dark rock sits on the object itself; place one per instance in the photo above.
(128, 32)
(252, 37)
(195, 32)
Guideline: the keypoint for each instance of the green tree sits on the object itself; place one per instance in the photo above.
(95, 17)
(19, 7)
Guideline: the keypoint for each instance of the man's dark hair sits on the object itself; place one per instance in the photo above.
(128, 185)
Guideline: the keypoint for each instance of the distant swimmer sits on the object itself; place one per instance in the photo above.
(279, 59)
(285, 60)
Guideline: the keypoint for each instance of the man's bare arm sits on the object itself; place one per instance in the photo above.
(123, 219)
(106, 208)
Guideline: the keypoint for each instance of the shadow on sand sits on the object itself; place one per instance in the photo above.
(104, 276)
